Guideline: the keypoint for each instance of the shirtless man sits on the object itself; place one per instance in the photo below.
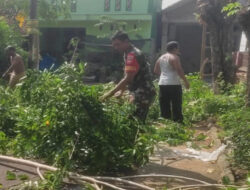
(16, 69)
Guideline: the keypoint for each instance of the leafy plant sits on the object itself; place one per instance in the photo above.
(240, 137)
(201, 137)
(46, 10)
(226, 180)
(10, 175)
(174, 133)
(60, 120)
(232, 8)
(228, 108)
(23, 177)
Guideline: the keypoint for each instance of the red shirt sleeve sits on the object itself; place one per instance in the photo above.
(131, 64)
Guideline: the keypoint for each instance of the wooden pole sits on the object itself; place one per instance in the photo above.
(35, 34)
(248, 65)
(203, 49)
(248, 76)
(33, 9)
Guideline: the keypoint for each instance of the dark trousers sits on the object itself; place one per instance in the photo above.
(170, 98)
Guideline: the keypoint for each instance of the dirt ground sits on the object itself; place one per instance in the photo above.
(166, 160)
(18, 170)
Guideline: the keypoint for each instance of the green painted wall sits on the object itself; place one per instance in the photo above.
(88, 13)
(143, 12)
(143, 27)
(97, 7)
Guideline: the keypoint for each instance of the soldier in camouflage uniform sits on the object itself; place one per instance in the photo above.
(137, 76)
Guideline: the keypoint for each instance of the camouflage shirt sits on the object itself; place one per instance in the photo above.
(142, 84)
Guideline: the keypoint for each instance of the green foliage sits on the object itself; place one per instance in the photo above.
(3, 142)
(173, 133)
(231, 188)
(248, 179)
(154, 110)
(200, 103)
(6, 116)
(10, 9)
(53, 180)
(231, 8)
(237, 118)
(226, 180)
(229, 109)
(10, 175)
(8, 36)
(240, 138)
(23, 177)
(51, 11)
(46, 10)
(201, 137)
(55, 117)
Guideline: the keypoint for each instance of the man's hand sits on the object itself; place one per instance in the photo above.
(119, 94)
(131, 98)
(187, 85)
(106, 96)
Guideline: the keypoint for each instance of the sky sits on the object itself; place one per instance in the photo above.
(166, 3)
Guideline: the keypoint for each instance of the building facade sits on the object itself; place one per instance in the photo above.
(94, 21)
(179, 23)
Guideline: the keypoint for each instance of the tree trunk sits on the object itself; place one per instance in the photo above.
(244, 19)
(223, 67)
(215, 56)
(248, 75)
(221, 36)
(35, 35)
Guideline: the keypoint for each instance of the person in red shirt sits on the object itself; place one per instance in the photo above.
(137, 76)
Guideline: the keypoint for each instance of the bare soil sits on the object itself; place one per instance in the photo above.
(166, 161)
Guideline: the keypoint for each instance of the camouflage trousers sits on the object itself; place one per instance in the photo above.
(142, 101)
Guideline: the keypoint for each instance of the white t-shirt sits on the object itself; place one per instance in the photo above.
(168, 76)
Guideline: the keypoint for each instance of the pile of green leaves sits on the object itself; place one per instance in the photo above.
(173, 133)
(56, 118)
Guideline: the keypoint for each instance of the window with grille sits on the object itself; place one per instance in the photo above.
(73, 5)
(117, 5)
(106, 5)
(129, 5)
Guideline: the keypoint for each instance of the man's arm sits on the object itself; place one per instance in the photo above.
(175, 62)
(131, 69)
(120, 86)
(14, 61)
(157, 69)
(9, 70)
